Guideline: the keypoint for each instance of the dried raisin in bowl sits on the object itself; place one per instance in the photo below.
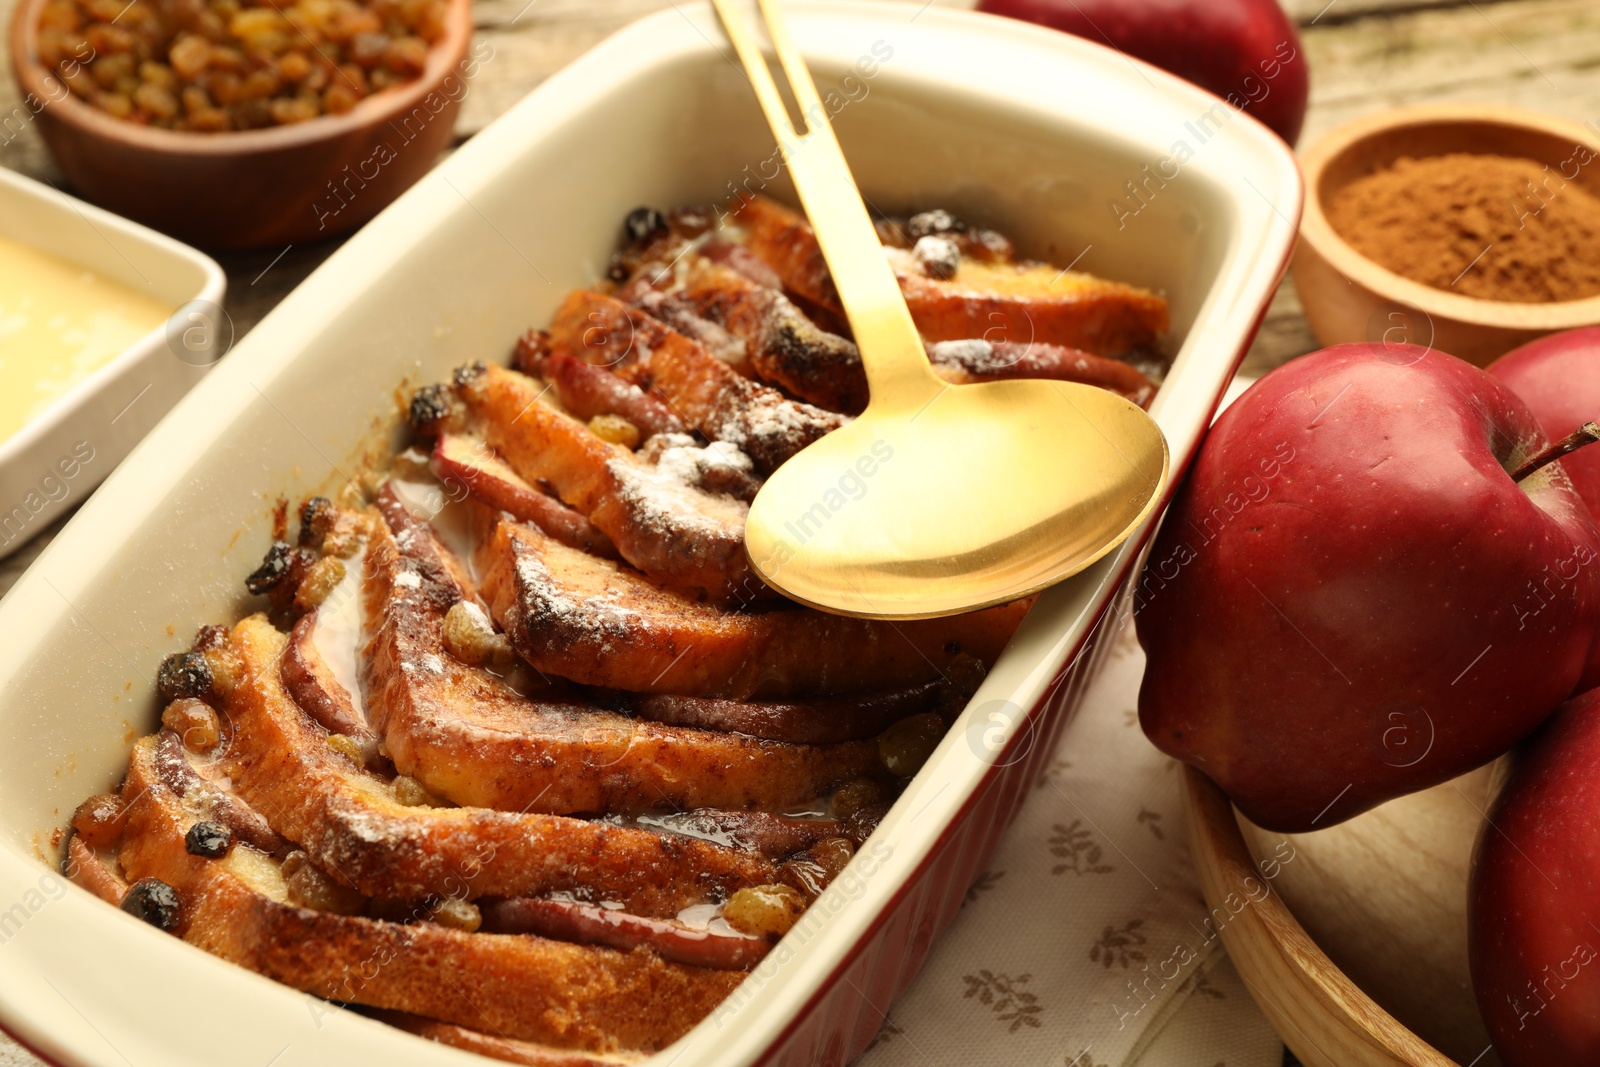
(251, 188)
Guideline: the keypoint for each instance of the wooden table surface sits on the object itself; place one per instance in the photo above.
(1366, 55)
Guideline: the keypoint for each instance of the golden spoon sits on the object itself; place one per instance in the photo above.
(938, 498)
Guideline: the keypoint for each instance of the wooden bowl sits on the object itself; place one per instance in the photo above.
(1348, 297)
(1352, 939)
(252, 188)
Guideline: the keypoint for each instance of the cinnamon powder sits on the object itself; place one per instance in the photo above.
(1493, 227)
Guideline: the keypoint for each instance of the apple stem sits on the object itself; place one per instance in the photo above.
(1587, 434)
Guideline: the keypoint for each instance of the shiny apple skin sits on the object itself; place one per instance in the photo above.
(1559, 377)
(1533, 910)
(1367, 621)
(1247, 49)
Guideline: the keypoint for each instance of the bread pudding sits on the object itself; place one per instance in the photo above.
(518, 754)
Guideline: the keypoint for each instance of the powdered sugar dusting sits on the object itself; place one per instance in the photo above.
(597, 614)
(976, 356)
(691, 464)
(669, 507)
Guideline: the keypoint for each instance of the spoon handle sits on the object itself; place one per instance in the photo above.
(891, 349)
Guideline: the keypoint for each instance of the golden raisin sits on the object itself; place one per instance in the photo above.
(195, 723)
(861, 793)
(109, 69)
(224, 667)
(258, 85)
(287, 111)
(258, 63)
(470, 637)
(906, 746)
(256, 22)
(108, 40)
(99, 820)
(156, 74)
(223, 85)
(195, 100)
(616, 429)
(411, 793)
(294, 66)
(345, 747)
(189, 55)
(211, 120)
(764, 910)
(115, 104)
(406, 55)
(833, 855)
(309, 887)
(339, 98)
(805, 874)
(457, 914)
(323, 577)
(155, 101)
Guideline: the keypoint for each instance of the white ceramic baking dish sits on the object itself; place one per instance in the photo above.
(1027, 130)
(59, 457)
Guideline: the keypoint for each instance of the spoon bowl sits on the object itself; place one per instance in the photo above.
(938, 498)
(986, 493)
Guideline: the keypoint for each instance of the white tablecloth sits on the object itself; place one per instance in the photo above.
(1085, 944)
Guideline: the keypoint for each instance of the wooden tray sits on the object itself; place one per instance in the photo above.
(1352, 939)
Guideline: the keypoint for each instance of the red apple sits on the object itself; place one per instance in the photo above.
(1559, 377)
(1245, 51)
(1533, 918)
(1351, 598)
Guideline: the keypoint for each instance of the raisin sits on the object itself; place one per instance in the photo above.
(322, 579)
(616, 430)
(315, 516)
(457, 914)
(272, 570)
(770, 910)
(209, 637)
(643, 223)
(183, 674)
(861, 793)
(933, 222)
(533, 348)
(906, 746)
(468, 373)
(430, 406)
(347, 748)
(938, 256)
(309, 887)
(195, 723)
(863, 821)
(209, 839)
(100, 819)
(154, 901)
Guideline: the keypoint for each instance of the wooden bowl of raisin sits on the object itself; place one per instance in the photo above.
(244, 123)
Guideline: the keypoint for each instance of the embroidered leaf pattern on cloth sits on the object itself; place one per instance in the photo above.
(1075, 845)
(1119, 945)
(1082, 904)
(986, 881)
(1152, 821)
(1054, 772)
(1005, 996)
(886, 1033)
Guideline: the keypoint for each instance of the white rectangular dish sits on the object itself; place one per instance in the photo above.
(1027, 130)
(62, 454)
